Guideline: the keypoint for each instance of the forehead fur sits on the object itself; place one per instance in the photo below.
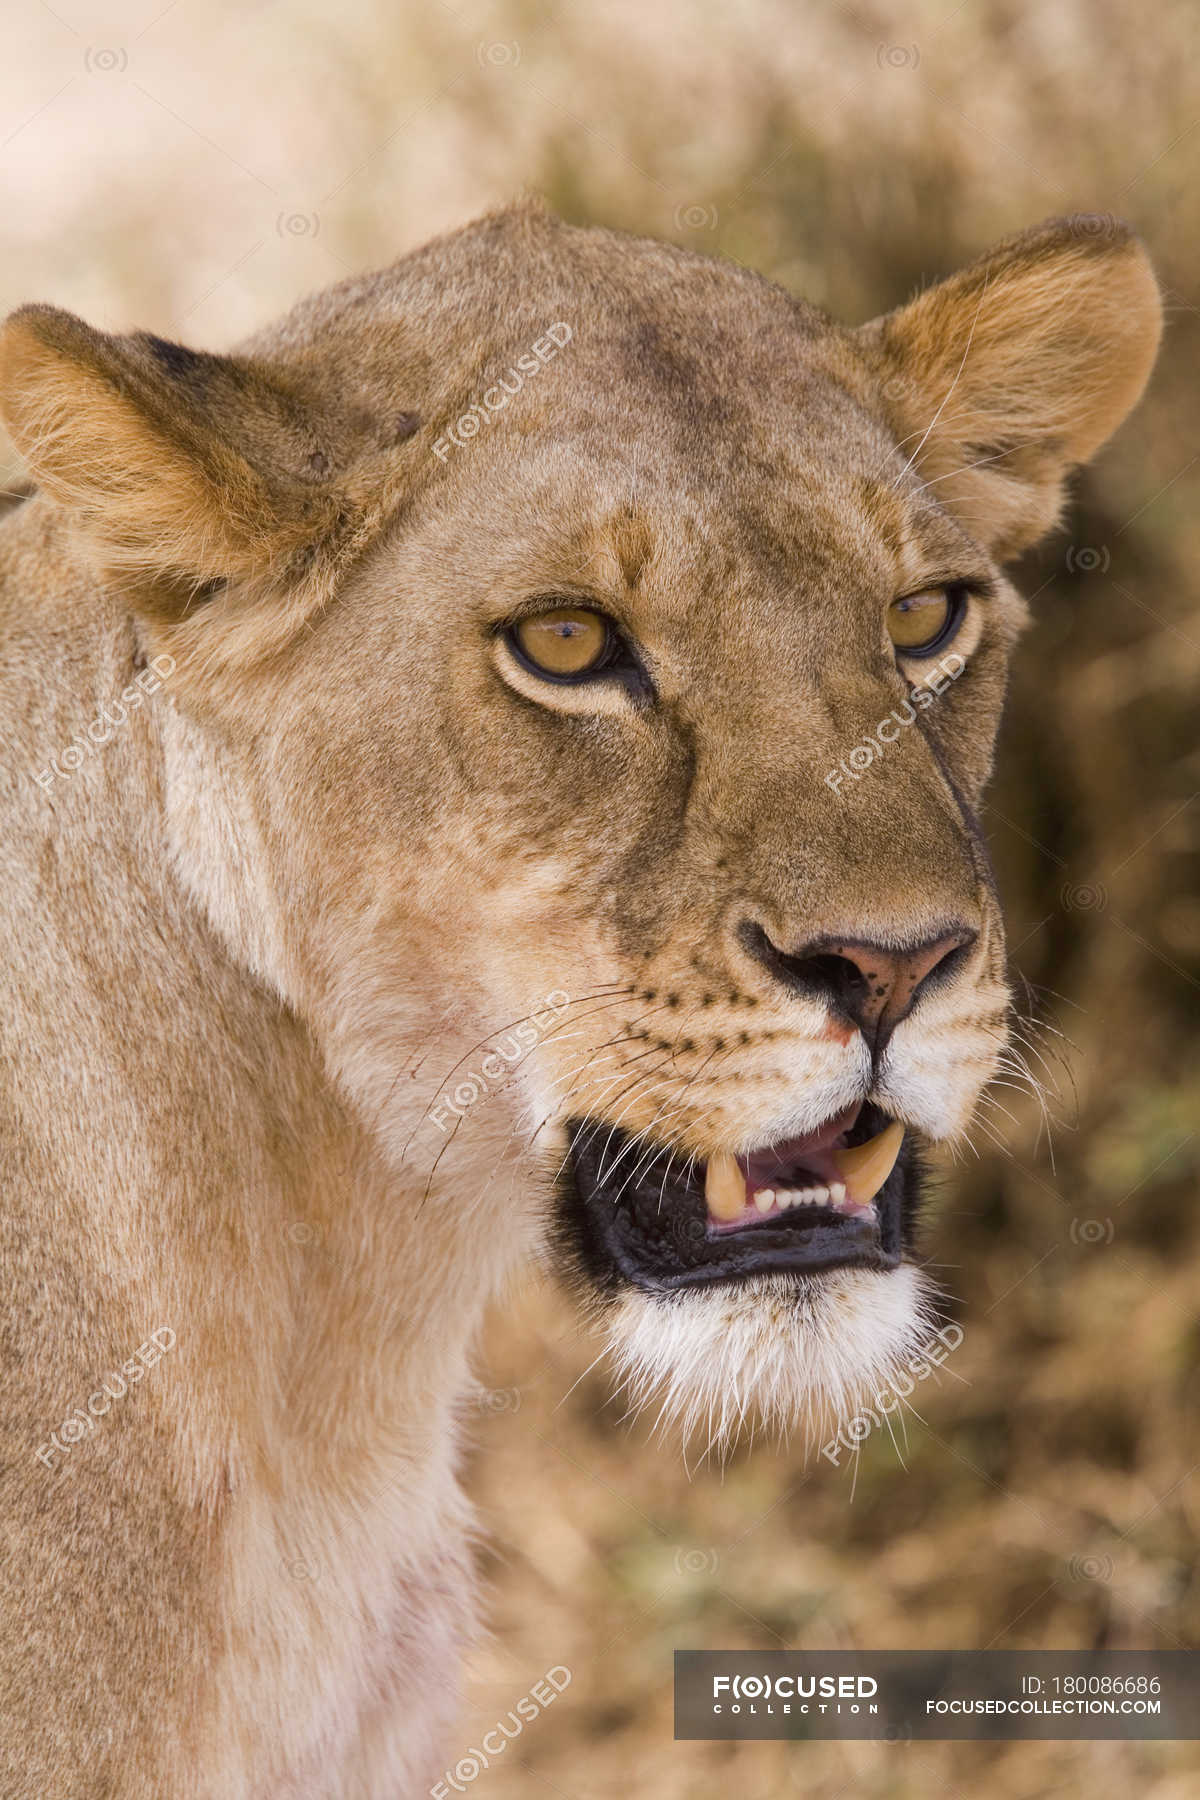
(701, 351)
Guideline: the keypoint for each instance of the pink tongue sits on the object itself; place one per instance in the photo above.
(764, 1168)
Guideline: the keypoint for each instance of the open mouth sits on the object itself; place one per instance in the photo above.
(842, 1196)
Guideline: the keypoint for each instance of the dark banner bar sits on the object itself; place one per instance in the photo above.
(900, 1695)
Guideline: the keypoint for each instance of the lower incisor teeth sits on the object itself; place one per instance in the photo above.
(814, 1196)
(768, 1199)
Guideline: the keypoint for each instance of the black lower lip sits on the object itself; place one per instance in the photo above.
(628, 1226)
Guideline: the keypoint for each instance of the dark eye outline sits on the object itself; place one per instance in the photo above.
(957, 594)
(617, 660)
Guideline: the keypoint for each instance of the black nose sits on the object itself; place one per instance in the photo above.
(872, 985)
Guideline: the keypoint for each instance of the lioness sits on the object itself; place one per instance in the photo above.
(490, 767)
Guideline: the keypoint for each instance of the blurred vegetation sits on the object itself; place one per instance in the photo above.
(193, 172)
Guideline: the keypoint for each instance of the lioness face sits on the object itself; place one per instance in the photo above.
(650, 715)
(646, 662)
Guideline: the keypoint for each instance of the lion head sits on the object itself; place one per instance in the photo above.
(588, 660)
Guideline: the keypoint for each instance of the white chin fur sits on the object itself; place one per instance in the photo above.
(769, 1353)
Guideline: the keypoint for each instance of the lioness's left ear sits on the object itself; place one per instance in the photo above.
(181, 469)
(1003, 378)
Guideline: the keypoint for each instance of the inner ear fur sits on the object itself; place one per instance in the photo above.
(1001, 379)
(182, 470)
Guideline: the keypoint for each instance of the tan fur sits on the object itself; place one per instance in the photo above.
(259, 933)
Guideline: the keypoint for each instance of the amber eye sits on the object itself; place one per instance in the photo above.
(564, 643)
(919, 624)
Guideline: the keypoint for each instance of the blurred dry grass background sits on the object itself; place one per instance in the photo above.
(193, 168)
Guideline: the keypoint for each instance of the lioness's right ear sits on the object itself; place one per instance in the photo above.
(181, 469)
(1004, 377)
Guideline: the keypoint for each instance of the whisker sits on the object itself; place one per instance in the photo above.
(950, 390)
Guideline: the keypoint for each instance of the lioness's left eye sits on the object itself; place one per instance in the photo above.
(920, 624)
(564, 643)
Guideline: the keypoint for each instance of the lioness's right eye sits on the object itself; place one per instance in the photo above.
(920, 624)
(566, 643)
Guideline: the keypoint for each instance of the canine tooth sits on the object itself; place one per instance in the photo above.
(866, 1167)
(725, 1187)
(765, 1199)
